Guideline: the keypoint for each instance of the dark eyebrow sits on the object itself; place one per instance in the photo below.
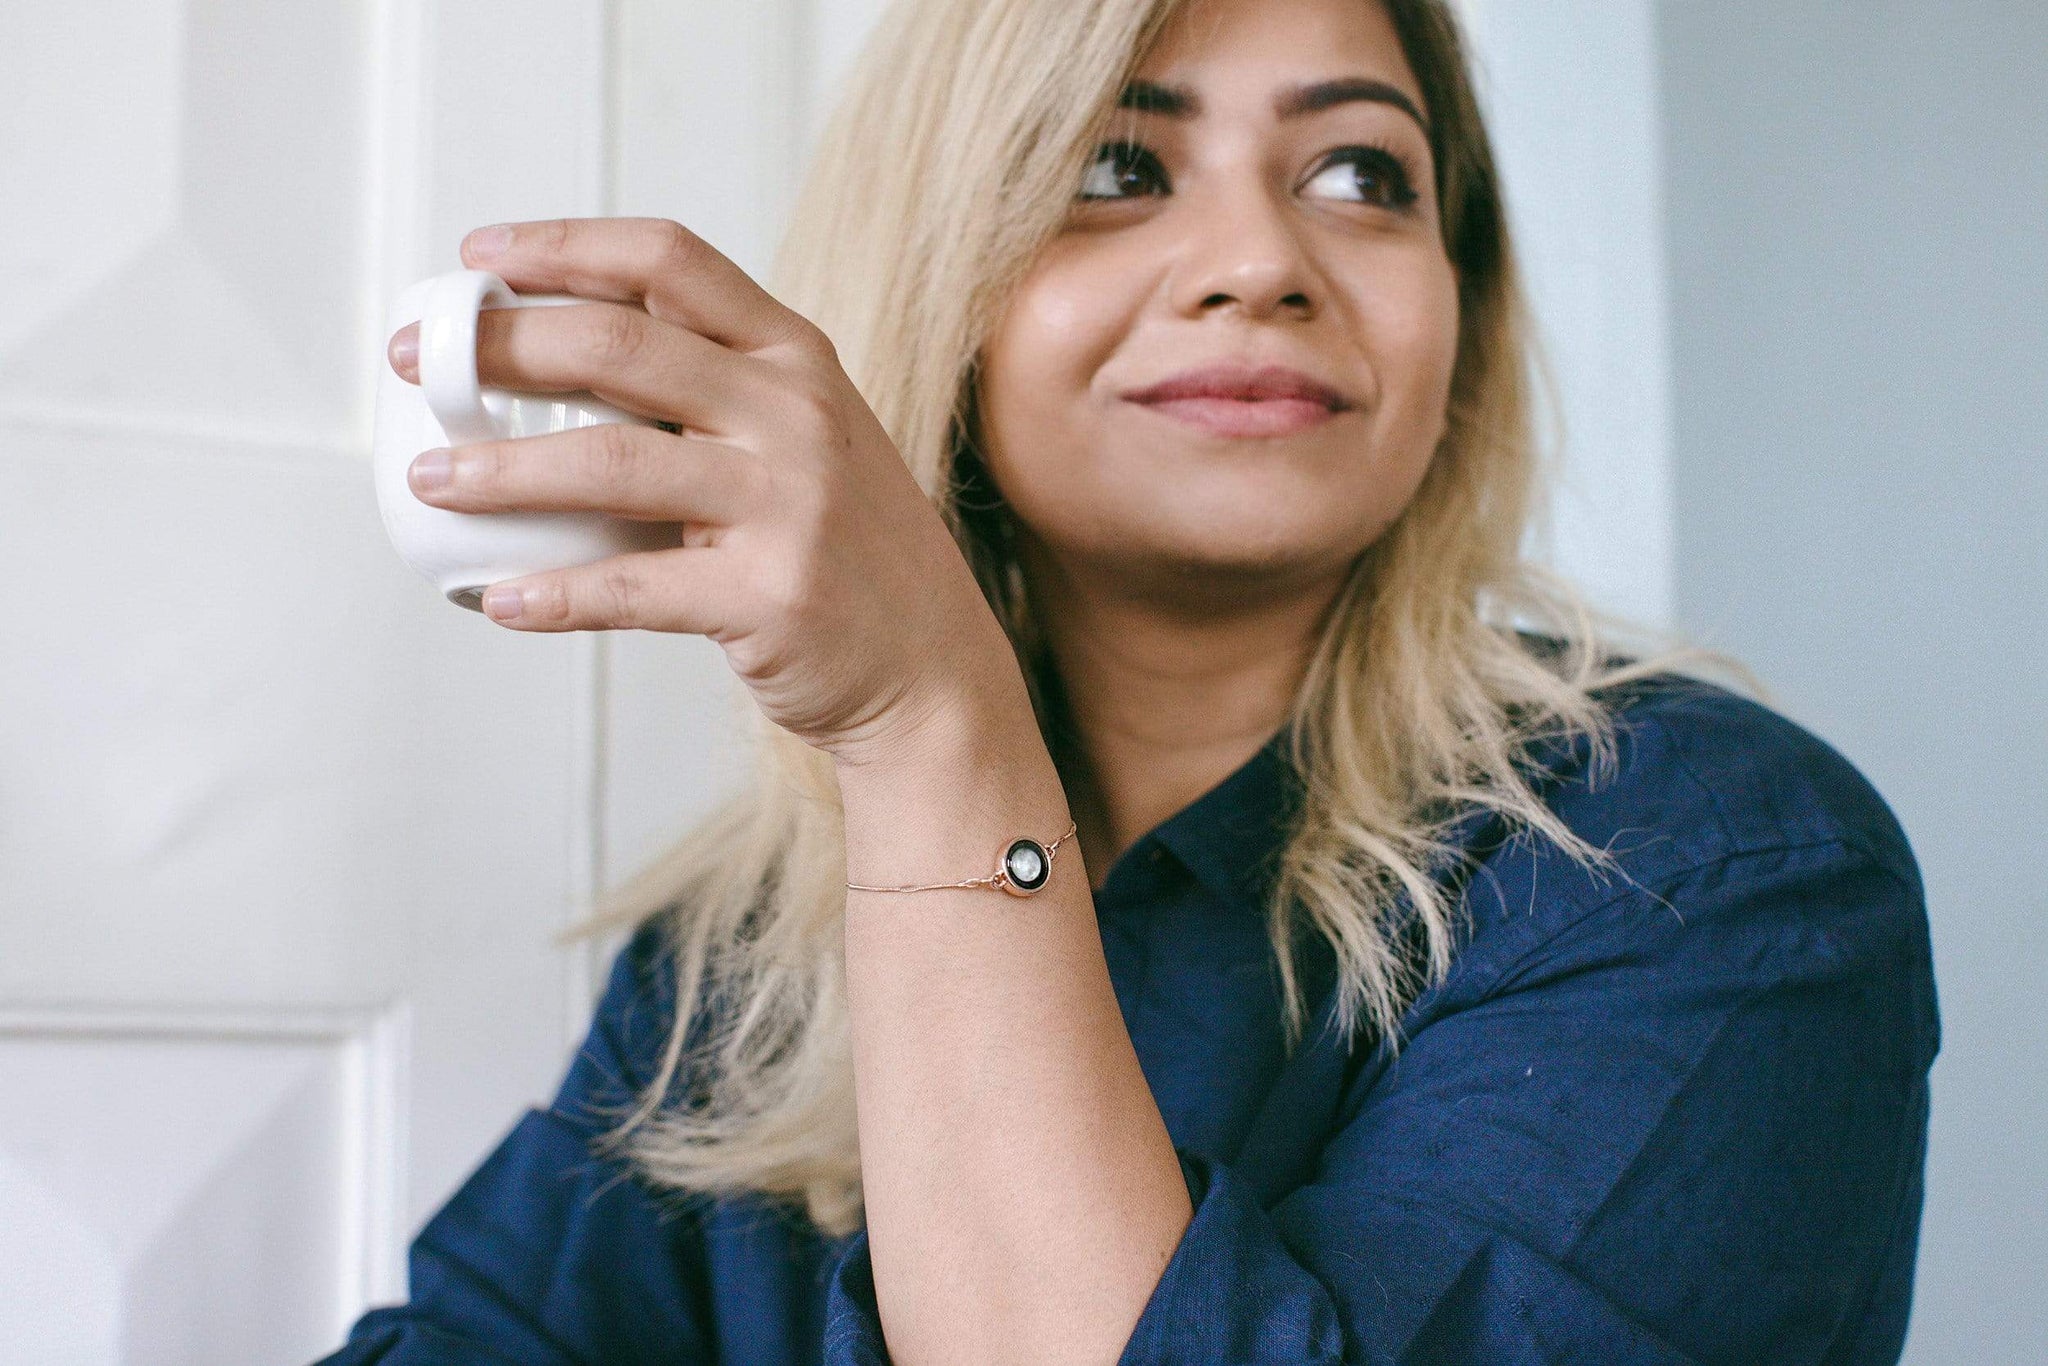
(1181, 102)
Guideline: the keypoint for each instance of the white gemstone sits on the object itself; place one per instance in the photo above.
(1027, 865)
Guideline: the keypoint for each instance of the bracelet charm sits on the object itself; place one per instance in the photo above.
(1026, 866)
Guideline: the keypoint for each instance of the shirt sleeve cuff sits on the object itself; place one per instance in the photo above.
(1232, 1291)
(1229, 1293)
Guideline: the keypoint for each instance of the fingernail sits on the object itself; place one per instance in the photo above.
(405, 347)
(501, 603)
(485, 243)
(432, 470)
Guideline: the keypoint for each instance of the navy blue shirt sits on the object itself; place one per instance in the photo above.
(1677, 1116)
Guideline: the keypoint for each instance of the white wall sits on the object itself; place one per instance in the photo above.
(1859, 246)
(1570, 89)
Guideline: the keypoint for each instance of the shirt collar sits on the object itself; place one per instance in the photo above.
(1229, 838)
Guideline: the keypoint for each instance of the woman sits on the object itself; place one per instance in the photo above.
(1384, 979)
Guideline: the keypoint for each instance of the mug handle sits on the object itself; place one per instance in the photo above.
(447, 361)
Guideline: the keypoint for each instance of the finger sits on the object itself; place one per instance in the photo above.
(625, 357)
(615, 467)
(675, 274)
(685, 589)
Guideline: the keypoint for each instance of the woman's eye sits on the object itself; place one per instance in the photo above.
(1119, 167)
(1367, 175)
(1372, 175)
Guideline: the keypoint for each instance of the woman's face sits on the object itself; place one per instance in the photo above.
(1244, 215)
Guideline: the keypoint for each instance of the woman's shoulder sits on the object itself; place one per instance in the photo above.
(1733, 832)
(629, 1032)
(1748, 854)
(1722, 775)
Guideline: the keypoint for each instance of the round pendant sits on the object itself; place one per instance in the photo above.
(1026, 867)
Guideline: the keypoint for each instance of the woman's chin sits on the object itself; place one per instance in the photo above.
(1279, 493)
(1191, 553)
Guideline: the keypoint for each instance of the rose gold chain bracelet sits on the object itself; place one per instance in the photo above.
(1022, 868)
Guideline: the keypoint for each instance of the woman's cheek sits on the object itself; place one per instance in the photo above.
(1049, 335)
(1062, 311)
(1076, 320)
(1418, 330)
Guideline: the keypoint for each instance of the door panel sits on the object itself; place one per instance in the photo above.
(285, 840)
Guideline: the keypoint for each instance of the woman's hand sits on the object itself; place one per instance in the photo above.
(809, 553)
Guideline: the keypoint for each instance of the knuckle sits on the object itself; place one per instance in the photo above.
(622, 594)
(483, 470)
(754, 481)
(610, 337)
(812, 341)
(678, 245)
(611, 454)
(815, 407)
(547, 601)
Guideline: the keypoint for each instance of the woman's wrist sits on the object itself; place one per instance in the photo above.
(963, 714)
(949, 791)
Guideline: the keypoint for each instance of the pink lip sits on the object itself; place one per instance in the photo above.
(1240, 400)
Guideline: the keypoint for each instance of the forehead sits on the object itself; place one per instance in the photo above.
(1238, 51)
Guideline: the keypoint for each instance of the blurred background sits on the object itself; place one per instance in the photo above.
(286, 840)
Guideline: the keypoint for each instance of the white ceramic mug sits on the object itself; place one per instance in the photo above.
(463, 553)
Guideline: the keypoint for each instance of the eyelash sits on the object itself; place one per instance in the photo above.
(1400, 177)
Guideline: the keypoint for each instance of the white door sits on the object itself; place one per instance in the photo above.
(285, 839)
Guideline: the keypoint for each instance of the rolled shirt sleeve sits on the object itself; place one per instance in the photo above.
(1686, 1125)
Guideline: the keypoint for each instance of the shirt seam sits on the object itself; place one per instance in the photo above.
(1682, 756)
(1672, 880)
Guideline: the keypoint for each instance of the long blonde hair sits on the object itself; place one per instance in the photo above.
(952, 158)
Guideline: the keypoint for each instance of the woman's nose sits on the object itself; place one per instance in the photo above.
(1243, 251)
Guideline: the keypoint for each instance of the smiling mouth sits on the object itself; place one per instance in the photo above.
(1232, 417)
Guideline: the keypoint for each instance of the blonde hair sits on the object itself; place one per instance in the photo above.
(952, 158)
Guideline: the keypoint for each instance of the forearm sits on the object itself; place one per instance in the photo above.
(1022, 1193)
